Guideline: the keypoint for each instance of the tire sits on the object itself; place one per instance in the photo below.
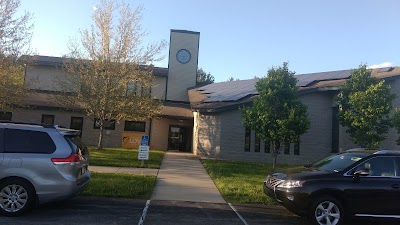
(326, 208)
(17, 196)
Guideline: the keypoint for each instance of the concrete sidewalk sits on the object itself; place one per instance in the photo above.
(182, 177)
(123, 170)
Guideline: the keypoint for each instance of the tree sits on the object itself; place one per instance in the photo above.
(203, 77)
(396, 123)
(365, 104)
(112, 68)
(15, 36)
(231, 79)
(276, 114)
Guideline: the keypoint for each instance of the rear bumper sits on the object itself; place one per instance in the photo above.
(62, 190)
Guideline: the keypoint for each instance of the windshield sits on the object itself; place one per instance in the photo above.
(338, 162)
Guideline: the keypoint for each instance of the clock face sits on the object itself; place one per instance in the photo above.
(183, 56)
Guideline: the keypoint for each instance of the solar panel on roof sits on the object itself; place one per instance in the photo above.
(303, 83)
(386, 69)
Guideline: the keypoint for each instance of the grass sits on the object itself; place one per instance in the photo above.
(241, 182)
(122, 157)
(120, 185)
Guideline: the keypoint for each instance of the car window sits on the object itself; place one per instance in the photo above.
(379, 167)
(338, 162)
(27, 141)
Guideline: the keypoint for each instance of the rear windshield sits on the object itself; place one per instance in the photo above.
(339, 162)
(76, 144)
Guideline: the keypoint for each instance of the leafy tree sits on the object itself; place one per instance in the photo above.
(365, 104)
(231, 79)
(109, 66)
(203, 77)
(15, 37)
(276, 114)
(396, 123)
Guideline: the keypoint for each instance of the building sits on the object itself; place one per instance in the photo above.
(170, 130)
(204, 120)
(219, 133)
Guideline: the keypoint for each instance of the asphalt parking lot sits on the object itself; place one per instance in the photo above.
(96, 210)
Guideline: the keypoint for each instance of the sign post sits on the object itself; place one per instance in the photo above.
(143, 153)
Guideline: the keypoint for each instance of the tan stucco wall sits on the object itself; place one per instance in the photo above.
(182, 76)
(159, 87)
(160, 131)
(112, 138)
(208, 135)
(49, 79)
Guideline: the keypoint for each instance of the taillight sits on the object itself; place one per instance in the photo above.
(71, 159)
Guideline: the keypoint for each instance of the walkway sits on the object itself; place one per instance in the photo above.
(182, 177)
(124, 170)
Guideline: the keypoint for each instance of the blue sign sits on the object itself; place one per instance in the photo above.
(145, 140)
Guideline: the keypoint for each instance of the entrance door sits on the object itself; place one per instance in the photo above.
(178, 139)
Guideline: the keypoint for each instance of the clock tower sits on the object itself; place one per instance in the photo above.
(182, 64)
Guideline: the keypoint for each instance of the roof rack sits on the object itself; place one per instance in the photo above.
(24, 123)
(387, 151)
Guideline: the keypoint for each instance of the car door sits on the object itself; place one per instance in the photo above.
(379, 192)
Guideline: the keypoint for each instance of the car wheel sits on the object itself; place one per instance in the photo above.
(326, 211)
(16, 197)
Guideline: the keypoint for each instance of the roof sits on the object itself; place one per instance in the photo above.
(41, 60)
(214, 97)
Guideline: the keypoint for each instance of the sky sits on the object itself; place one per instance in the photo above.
(243, 39)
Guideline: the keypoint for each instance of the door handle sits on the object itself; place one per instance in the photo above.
(396, 186)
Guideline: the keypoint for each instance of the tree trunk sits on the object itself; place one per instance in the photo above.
(275, 153)
(100, 143)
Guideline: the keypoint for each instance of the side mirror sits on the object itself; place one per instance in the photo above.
(360, 173)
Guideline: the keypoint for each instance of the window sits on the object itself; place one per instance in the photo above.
(77, 124)
(27, 141)
(247, 140)
(108, 124)
(267, 148)
(379, 167)
(6, 116)
(135, 126)
(335, 129)
(287, 148)
(136, 88)
(48, 119)
(296, 148)
(257, 143)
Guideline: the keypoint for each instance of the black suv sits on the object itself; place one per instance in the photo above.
(357, 182)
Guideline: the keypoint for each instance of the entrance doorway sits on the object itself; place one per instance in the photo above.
(180, 138)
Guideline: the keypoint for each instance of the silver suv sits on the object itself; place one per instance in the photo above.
(38, 164)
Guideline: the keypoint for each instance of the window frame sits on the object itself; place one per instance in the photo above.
(48, 116)
(112, 121)
(257, 143)
(286, 149)
(135, 122)
(247, 140)
(6, 115)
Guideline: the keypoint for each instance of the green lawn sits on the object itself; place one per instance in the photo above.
(241, 182)
(120, 185)
(122, 157)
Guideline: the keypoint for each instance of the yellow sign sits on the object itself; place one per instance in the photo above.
(131, 140)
